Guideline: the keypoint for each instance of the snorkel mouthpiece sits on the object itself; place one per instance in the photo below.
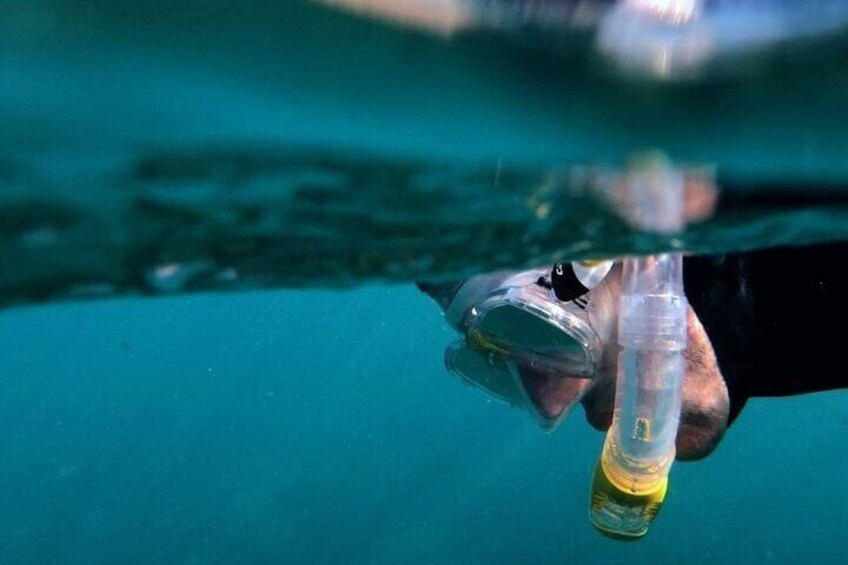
(631, 478)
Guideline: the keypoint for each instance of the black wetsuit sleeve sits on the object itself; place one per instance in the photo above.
(773, 317)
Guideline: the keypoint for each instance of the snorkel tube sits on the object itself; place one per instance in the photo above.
(631, 478)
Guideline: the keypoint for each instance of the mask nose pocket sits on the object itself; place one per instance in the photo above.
(483, 370)
(552, 394)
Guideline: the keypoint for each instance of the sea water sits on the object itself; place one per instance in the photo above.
(321, 427)
(151, 155)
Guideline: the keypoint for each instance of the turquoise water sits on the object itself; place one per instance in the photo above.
(263, 144)
(271, 143)
(312, 426)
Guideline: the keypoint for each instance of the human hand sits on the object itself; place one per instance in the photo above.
(706, 403)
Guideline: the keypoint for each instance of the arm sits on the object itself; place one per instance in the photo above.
(765, 312)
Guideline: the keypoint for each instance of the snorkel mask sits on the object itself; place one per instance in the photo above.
(533, 339)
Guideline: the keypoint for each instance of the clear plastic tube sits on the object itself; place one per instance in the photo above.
(640, 444)
(652, 333)
(632, 476)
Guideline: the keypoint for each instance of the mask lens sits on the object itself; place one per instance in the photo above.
(529, 333)
(525, 347)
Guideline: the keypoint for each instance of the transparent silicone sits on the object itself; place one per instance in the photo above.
(527, 320)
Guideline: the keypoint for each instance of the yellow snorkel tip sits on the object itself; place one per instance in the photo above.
(622, 514)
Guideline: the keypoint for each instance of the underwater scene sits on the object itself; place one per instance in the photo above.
(425, 281)
(321, 427)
